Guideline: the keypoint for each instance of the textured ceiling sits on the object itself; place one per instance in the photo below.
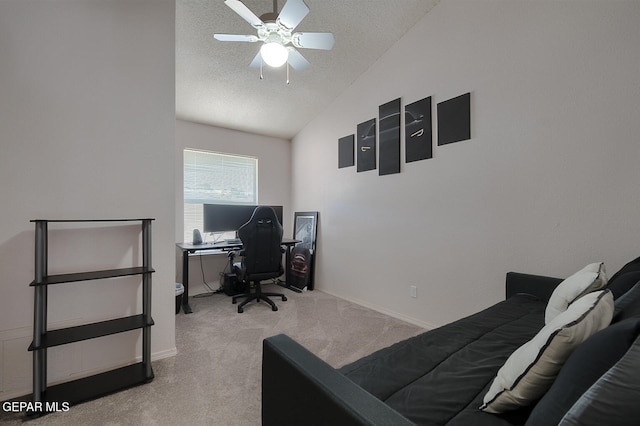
(214, 84)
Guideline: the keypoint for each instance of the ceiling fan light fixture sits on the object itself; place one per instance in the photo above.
(274, 54)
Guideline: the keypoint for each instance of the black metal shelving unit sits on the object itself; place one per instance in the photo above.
(104, 383)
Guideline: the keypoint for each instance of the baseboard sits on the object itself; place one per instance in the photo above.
(382, 310)
(167, 353)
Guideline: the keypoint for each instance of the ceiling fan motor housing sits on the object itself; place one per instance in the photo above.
(273, 32)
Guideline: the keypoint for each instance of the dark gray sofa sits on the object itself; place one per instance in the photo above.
(441, 376)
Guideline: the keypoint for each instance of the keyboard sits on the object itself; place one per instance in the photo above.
(234, 241)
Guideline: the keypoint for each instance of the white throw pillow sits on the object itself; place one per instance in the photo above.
(590, 278)
(531, 369)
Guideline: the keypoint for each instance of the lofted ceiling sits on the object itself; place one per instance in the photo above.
(216, 86)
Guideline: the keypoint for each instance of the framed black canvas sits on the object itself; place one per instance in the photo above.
(305, 229)
(417, 130)
(345, 151)
(389, 134)
(454, 119)
(366, 145)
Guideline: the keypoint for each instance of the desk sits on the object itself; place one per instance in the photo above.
(218, 247)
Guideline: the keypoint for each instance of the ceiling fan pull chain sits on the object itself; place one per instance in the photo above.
(261, 62)
(287, 73)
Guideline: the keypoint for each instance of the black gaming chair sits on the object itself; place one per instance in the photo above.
(261, 255)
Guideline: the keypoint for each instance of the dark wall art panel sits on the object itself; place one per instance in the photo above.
(389, 134)
(346, 157)
(366, 146)
(454, 119)
(417, 130)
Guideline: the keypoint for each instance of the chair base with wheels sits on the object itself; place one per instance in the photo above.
(258, 295)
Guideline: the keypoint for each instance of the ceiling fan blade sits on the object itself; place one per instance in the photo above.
(235, 37)
(322, 41)
(292, 13)
(244, 12)
(297, 61)
(257, 61)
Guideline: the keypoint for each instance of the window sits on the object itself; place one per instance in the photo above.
(213, 178)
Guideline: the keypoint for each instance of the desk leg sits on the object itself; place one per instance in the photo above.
(287, 260)
(185, 282)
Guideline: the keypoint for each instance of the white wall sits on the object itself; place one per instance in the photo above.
(547, 183)
(86, 131)
(274, 185)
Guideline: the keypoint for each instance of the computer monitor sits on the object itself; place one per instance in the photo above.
(230, 217)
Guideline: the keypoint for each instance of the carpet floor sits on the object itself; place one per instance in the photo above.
(215, 379)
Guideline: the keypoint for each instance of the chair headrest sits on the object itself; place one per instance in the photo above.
(264, 213)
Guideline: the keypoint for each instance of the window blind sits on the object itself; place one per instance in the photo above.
(216, 178)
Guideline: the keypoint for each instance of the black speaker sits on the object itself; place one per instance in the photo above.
(197, 237)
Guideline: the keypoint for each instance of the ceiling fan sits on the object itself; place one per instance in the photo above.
(275, 31)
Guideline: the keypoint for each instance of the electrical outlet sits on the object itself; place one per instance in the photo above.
(413, 291)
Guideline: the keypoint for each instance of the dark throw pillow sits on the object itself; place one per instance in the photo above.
(613, 398)
(627, 305)
(585, 366)
(633, 266)
(623, 283)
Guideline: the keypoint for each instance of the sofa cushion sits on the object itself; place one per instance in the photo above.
(583, 368)
(532, 368)
(443, 373)
(590, 278)
(613, 399)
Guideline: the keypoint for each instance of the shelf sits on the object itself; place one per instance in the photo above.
(91, 331)
(93, 275)
(99, 385)
(104, 383)
(89, 220)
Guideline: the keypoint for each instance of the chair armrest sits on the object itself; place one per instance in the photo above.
(535, 285)
(299, 388)
(232, 255)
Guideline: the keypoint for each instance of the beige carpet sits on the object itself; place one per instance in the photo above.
(215, 378)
